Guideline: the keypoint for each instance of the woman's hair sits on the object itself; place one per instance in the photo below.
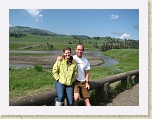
(71, 58)
(66, 48)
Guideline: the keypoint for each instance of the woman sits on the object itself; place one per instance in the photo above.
(65, 73)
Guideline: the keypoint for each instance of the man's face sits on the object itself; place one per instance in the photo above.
(79, 50)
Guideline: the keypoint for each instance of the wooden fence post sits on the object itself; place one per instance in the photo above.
(106, 90)
(128, 78)
(124, 82)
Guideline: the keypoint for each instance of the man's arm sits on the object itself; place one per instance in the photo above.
(87, 79)
(59, 58)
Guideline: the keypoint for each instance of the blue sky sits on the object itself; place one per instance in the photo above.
(116, 23)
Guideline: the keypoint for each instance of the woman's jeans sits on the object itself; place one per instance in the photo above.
(64, 91)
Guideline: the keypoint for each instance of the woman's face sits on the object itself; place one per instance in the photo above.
(67, 54)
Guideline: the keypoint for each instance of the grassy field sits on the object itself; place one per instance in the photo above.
(58, 42)
(29, 80)
(128, 60)
(24, 81)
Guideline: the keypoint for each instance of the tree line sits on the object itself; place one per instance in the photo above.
(108, 44)
(111, 43)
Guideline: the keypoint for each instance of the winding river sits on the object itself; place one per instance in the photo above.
(107, 60)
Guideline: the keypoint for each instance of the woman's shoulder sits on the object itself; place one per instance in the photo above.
(74, 62)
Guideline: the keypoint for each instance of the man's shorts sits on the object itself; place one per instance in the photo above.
(80, 87)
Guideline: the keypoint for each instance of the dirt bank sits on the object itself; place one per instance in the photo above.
(47, 60)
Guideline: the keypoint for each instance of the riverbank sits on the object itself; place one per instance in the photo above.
(49, 60)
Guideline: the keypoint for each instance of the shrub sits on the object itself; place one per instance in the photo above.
(113, 71)
(38, 68)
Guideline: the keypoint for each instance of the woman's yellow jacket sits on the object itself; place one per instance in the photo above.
(65, 73)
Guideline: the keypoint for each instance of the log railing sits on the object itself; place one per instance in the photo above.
(48, 97)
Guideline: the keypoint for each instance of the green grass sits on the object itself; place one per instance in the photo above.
(28, 80)
(128, 58)
(58, 42)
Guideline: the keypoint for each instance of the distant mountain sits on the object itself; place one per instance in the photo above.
(19, 29)
(31, 30)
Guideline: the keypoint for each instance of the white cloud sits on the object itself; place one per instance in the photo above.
(9, 25)
(117, 33)
(35, 13)
(114, 16)
(125, 36)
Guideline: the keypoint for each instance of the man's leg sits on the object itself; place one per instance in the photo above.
(76, 93)
(87, 102)
(76, 98)
(85, 94)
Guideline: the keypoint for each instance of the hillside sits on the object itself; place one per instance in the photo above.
(27, 38)
(30, 30)
(35, 31)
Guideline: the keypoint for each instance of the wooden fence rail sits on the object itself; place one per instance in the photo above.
(48, 97)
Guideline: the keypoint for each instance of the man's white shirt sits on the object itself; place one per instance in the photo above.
(83, 65)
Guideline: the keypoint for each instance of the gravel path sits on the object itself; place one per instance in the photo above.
(127, 98)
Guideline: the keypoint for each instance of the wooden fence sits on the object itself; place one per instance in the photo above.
(48, 97)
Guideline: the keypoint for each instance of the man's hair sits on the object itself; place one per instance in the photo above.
(81, 45)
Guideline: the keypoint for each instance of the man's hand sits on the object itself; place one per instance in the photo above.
(59, 58)
(88, 86)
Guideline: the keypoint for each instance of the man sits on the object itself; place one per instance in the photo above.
(81, 86)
